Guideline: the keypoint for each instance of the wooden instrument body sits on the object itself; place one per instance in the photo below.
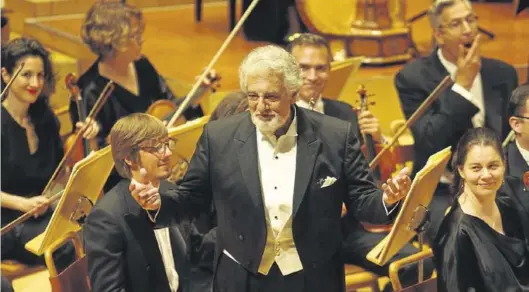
(80, 147)
(375, 29)
(163, 108)
(370, 149)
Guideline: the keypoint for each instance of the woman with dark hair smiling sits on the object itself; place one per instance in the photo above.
(31, 144)
(483, 242)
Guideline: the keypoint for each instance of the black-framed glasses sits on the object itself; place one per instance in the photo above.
(161, 147)
(522, 117)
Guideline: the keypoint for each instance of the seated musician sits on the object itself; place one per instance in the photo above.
(114, 32)
(517, 151)
(482, 242)
(31, 144)
(478, 97)
(314, 56)
(125, 250)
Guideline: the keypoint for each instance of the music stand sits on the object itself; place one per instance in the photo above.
(413, 218)
(186, 136)
(341, 72)
(80, 194)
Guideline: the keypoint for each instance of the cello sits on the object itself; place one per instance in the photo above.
(81, 147)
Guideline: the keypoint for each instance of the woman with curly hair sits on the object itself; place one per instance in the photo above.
(114, 32)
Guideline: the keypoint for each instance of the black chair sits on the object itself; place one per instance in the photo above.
(231, 12)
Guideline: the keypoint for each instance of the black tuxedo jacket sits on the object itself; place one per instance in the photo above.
(342, 111)
(224, 168)
(516, 165)
(448, 118)
(122, 250)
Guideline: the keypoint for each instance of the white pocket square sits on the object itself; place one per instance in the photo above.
(327, 181)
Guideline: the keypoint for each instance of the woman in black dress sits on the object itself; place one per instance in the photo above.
(114, 32)
(483, 242)
(31, 145)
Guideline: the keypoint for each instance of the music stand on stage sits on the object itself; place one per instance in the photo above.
(80, 194)
(341, 72)
(413, 218)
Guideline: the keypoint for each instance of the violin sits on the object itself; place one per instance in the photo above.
(163, 108)
(81, 147)
(370, 149)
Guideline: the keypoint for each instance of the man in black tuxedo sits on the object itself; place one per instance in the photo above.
(125, 250)
(478, 97)
(314, 57)
(517, 151)
(278, 176)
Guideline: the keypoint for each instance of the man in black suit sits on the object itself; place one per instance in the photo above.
(125, 250)
(314, 57)
(278, 176)
(478, 97)
(517, 151)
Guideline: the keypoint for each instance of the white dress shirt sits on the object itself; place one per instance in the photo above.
(475, 95)
(318, 106)
(166, 250)
(164, 244)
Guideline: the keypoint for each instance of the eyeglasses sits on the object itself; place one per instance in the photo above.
(471, 20)
(160, 148)
(522, 117)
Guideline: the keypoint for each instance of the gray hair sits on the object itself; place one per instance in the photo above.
(271, 60)
(438, 6)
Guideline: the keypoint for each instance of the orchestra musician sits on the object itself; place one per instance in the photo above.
(478, 97)
(482, 244)
(114, 32)
(31, 146)
(517, 151)
(125, 250)
(278, 176)
(314, 57)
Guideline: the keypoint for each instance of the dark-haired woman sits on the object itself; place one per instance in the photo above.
(31, 145)
(483, 242)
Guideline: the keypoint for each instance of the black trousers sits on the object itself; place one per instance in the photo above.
(357, 245)
(14, 241)
(232, 277)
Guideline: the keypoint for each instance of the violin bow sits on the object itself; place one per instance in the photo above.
(508, 139)
(212, 63)
(11, 80)
(95, 110)
(445, 83)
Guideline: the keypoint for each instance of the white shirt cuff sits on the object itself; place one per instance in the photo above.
(392, 209)
(462, 91)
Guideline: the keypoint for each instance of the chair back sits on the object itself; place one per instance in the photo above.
(75, 277)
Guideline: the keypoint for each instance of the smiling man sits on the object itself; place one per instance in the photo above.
(278, 176)
(478, 98)
(126, 251)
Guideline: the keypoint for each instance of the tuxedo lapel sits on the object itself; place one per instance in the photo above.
(308, 147)
(246, 147)
(179, 249)
(143, 232)
(515, 162)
